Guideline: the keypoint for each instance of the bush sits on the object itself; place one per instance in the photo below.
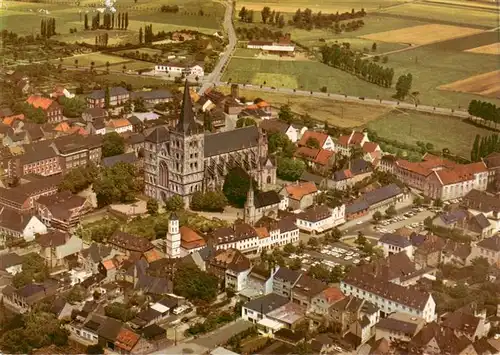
(212, 201)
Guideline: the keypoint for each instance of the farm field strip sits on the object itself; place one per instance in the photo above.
(326, 6)
(423, 34)
(463, 43)
(487, 84)
(493, 48)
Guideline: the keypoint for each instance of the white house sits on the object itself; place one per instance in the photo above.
(394, 243)
(324, 140)
(389, 297)
(55, 246)
(292, 131)
(179, 69)
(353, 140)
(120, 126)
(273, 233)
(320, 218)
(18, 225)
(236, 276)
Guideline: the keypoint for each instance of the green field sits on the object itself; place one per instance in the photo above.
(138, 82)
(326, 6)
(440, 12)
(84, 60)
(410, 127)
(24, 18)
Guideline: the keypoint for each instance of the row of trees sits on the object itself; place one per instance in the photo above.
(308, 20)
(48, 27)
(245, 15)
(348, 26)
(341, 57)
(109, 21)
(262, 33)
(272, 17)
(148, 36)
(170, 8)
(484, 146)
(101, 40)
(487, 111)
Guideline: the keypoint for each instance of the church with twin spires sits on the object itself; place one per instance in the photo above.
(183, 159)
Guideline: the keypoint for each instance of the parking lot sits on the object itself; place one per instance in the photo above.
(413, 219)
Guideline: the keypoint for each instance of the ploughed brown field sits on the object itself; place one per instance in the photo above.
(487, 84)
(493, 48)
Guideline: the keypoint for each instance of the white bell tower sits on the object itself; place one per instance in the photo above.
(173, 238)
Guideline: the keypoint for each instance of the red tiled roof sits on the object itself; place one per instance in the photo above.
(460, 173)
(39, 102)
(319, 136)
(323, 157)
(126, 339)
(356, 138)
(262, 232)
(333, 294)
(62, 127)
(299, 190)
(11, 119)
(370, 147)
(306, 152)
(190, 239)
(122, 122)
(343, 140)
(109, 264)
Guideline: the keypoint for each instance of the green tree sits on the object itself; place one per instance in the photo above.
(107, 98)
(265, 13)
(377, 216)
(361, 239)
(95, 349)
(313, 242)
(242, 14)
(36, 115)
(438, 202)
(417, 201)
(152, 207)
(119, 311)
(72, 107)
(76, 294)
(319, 272)
(33, 269)
(391, 211)
(403, 86)
(214, 201)
(295, 264)
(79, 179)
(279, 142)
(313, 143)
(290, 169)
(289, 248)
(336, 274)
(112, 144)
(119, 183)
(374, 47)
(194, 284)
(245, 121)
(174, 203)
(236, 186)
(286, 114)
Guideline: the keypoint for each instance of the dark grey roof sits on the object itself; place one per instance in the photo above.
(122, 158)
(110, 329)
(153, 331)
(267, 198)
(96, 112)
(287, 224)
(267, 303)
(395, 239)
(153, 285)
(230, 141)
(5, 112)
(381, 194)
(97, 252)
(113, 91)
(356, 206)
(151, 95)
(482, 221)
(453, 216)
(159, 134)
(492, 243)
(10, 259)
(99, 123)
(134, 120)
(187, 123)
(148, 314)
(288, 275)
(397, 325)
(307, 176)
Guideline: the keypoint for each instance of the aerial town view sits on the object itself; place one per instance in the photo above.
(222, 177)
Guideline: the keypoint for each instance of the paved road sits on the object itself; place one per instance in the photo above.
(362, 100)
(214, 76)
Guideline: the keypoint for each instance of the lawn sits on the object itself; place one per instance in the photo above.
(132, 65)
(410, 127)
(339, 114)
(137, 82)
(84, 60)
(246, 52)
(441, 12)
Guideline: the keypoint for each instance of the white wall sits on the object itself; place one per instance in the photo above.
(34, 226)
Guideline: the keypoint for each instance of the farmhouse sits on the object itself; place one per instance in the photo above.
(180, 69)
(298, 196)
(323, 139)
(282, 47)
(292, 131)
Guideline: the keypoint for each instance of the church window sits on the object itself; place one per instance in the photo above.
(196, 165)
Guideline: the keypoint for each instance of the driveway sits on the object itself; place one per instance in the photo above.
(222, 335)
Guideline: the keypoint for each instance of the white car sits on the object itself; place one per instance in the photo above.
(356, 261)
(348, 257)
(358, 223)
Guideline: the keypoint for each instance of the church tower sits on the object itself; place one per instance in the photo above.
(249, 212)
(186, 152)
(173, 248)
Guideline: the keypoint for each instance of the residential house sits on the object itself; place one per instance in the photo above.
(38, 158)
(61, 309)
(455, 253)
(306, 289)
(22, 197)
(488, 248)
(282, 48)
(358, 170)
(87, 329)
(91, 257)
(428, 252)
(372, 152)
(137, 124)
(11, 263)
(273, 232)
(55, 246)
(94, 113)
(51, 109)
(23, 299)
(191, 241)
(128, 243)
(324, 140)
(433, 339)
(355, 318)
(63, 210)
(394, 244)
(476, 226)
(321, 303)
(97, 126)
(482, 202)
(398, 327)
(241, 236)
(317, 158)
(259, 282)
(18, 225)
(231, 266)
(284, 281)
(376, 200)
(292, 131)
(467, 323)
(346, 143)
(153, 314)
(320, 218)
(298, 196)
(492, 162)
(75, 150)
(108, 332)
(119, 126)
(117, 97)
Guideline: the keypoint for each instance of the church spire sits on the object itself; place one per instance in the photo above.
(187, 123)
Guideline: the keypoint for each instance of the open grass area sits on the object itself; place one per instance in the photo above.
(410, 127)
(132, 65)
(340, 114)
(24, 18)
(137, 82)
(443, 12)
(84, 60)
